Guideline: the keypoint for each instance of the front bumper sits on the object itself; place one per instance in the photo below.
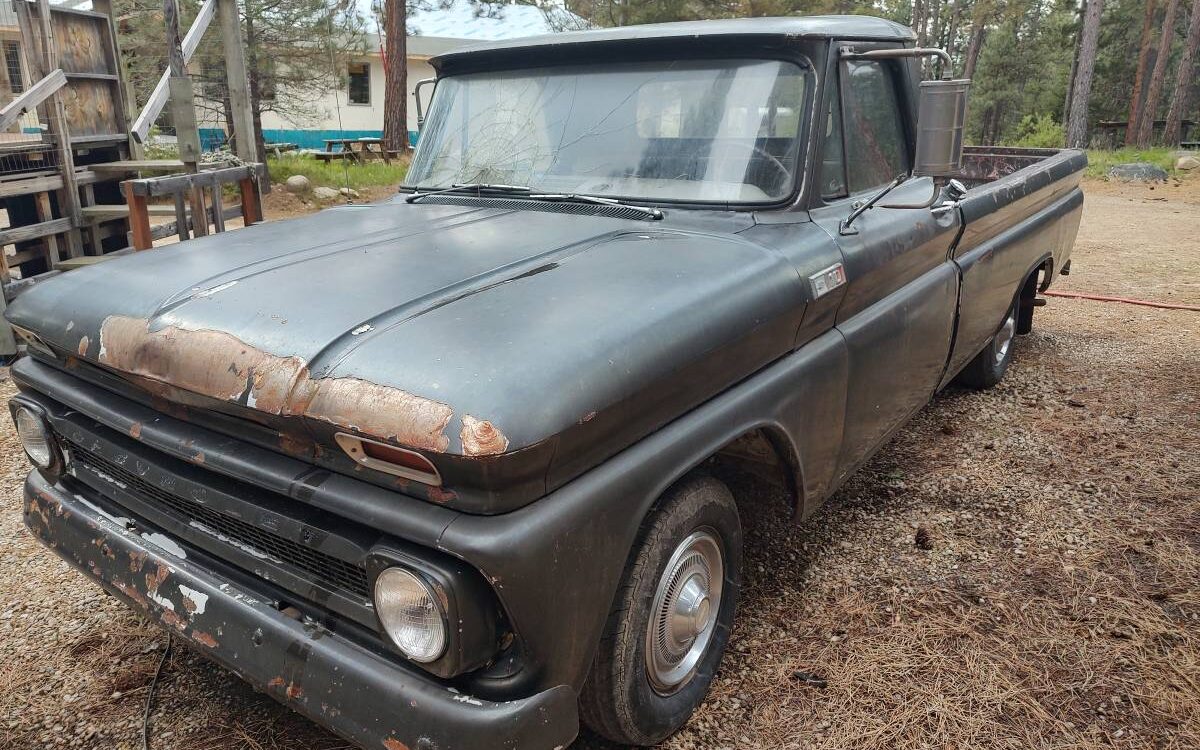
(357, 693)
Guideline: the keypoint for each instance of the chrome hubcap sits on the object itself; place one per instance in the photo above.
(1004, 337)
(684, 612)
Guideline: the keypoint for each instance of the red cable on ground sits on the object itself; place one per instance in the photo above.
(1126, 300)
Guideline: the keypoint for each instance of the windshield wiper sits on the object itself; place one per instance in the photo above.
(525, 192)
(477, 187)
(653, 213)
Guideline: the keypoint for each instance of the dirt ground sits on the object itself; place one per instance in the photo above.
(1018, 568)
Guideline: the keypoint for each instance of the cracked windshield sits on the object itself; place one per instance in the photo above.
(712, 130)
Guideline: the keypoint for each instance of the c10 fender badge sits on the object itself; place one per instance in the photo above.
(824, 282)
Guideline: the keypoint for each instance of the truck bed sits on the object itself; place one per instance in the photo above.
(984, 164)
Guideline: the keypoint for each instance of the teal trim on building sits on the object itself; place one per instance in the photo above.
(211, 139)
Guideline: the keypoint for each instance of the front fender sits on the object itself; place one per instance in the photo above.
(556, 564)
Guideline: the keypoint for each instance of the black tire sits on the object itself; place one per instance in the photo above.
(619, 701)
(989, 366)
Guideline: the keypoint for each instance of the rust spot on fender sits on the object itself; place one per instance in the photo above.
(294, 691)
(83, 346)
(391, 743)
(439, 495)
(137, 560)
(481, 438)
(198, 458)
(218, 365)
(135, 430)
(204, 639)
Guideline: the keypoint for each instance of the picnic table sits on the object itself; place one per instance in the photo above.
(355, 149)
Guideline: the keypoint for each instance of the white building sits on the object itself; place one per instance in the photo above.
(355, 110)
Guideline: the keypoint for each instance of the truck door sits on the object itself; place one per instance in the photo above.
(898, 312)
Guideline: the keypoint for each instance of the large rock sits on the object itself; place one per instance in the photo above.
(1137, 172)
(298, 183)
(1187, 161)
(326, 194)
(348, 192)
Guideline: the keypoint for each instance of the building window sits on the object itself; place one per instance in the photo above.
(360, 83)
(12, 63)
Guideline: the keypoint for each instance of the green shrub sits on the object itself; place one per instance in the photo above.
(1039, 131)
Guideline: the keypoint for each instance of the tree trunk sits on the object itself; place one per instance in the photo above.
(1145, 134)
(1183, 80)
(952, 33)
(395, 95)
(1066, 113)
(1139, 78)
(978, 32)
(1077, 132)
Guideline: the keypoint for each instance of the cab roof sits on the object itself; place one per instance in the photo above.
(842, 27)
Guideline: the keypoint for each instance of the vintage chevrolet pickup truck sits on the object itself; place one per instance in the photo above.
(436, 472)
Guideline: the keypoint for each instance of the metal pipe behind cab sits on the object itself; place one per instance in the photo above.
(890, 54)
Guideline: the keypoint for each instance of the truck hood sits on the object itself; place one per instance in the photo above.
(463, 331)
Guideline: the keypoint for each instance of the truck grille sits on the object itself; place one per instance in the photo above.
(325, 568)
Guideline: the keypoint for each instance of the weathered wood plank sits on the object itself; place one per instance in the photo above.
(129, 166)
(33, 96)
(157, 186)
(158, 97)
(104, 212)
(159, 231)
(34, 231)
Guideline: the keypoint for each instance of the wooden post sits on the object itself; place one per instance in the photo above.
(181, 218)
(239, 85)
(139, 218)
(218, 215)
(251, 213)
(183, 112)
(42, 201)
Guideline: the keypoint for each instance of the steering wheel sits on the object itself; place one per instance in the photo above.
(760, 151)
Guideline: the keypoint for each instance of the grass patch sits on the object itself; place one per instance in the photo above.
(335, 174)
(1099, 160)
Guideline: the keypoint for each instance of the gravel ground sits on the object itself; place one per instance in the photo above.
(1018, 568)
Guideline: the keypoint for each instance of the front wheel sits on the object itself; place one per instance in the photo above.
(989, 366)
(671, 620)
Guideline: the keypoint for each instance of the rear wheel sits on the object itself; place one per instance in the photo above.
(989, 366)
(671, 620)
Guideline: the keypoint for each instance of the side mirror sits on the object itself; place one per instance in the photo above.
(941, 117)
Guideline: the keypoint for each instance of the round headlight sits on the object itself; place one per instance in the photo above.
(35, 438)
(409, 611)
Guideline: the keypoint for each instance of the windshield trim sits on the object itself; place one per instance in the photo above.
(799, 181)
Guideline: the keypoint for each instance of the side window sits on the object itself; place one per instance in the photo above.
(876, 147)
(833, 161)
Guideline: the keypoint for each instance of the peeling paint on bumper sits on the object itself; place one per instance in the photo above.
(360, 695)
